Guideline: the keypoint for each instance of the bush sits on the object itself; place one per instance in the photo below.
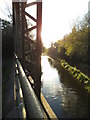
(77, 74)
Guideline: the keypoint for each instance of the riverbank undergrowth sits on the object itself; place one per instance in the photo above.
(85, 80)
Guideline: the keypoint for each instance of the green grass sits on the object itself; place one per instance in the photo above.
(85, 80)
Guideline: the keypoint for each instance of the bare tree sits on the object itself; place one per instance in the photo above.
(6, 9)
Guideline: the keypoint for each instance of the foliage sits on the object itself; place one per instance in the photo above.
(53, 50)
(74, 46)
(7, 39)
(44, 50)
(77, 74)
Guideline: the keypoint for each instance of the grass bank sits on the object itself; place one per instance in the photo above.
(85, 80)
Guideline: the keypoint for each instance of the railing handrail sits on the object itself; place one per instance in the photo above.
(32, 104)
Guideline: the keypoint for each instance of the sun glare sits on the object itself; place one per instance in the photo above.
(58, 16)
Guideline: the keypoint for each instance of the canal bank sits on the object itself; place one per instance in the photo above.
(77, 74)
(65, 95)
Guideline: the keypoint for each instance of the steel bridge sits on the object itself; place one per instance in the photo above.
(27, 51)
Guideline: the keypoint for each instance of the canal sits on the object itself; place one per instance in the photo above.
(65, 95)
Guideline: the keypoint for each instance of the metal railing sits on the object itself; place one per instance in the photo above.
(32, 104)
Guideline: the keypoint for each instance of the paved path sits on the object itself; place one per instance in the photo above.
(10, 106)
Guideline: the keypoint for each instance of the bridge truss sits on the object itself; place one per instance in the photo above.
(26, 47)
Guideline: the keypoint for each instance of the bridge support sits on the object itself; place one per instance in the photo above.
(38, 50)
(27, 49)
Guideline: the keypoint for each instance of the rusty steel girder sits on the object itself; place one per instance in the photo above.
(27, 49)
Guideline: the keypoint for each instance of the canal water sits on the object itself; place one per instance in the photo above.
(65, 95)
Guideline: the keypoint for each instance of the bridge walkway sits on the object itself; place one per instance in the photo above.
(13, 107)
(10, 107)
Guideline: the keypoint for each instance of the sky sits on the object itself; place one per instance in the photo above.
(4, 6)
(57, 17)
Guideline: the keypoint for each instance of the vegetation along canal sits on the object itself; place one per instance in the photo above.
(65, 95)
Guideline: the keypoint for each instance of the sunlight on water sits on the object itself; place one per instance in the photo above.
(50, 78)
(64, 94)
(48, 72)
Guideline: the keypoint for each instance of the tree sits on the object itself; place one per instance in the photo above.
(7, 39)
(74, 46)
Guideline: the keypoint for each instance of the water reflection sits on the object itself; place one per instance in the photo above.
(65, 95)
